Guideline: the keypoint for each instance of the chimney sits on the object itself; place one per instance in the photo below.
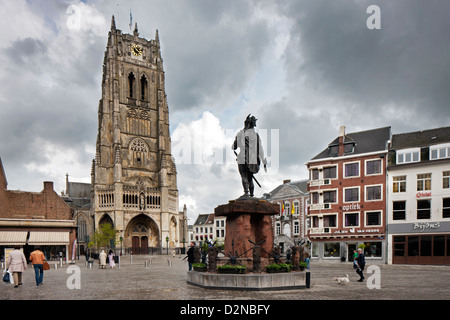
(341, 141)
(286, 181)
(48, 186)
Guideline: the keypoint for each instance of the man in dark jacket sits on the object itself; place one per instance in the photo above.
(191, 255)
(361, 261)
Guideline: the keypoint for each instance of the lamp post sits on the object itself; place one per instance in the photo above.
(167, 240)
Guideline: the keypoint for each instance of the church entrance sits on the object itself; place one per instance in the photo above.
(142, 235)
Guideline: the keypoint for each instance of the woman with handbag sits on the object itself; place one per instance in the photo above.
(17, 263)
(37, 258)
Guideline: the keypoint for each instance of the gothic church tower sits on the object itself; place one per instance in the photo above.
(133, 175)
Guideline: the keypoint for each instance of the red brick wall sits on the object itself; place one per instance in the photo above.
(38, 205)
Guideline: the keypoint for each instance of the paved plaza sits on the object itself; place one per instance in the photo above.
(164, 278)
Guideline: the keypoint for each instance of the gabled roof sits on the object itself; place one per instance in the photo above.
(204, 219)
(289, 189)
(3, 180)
(364, 142)
(421, 138)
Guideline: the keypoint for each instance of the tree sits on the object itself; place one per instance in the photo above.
(105, 236)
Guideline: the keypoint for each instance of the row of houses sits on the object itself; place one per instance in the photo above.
(388, 193)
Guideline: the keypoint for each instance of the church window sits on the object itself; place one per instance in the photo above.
(139, 151)
(131, 81)
(144, 89)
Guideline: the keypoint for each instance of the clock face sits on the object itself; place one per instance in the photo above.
(136, 50)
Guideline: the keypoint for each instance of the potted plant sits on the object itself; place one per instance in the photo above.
(273, 268)
(199, 267)
(278, 267)
(285, 267)
(302, 265)
(232, 269)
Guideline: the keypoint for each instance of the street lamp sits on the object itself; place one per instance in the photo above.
(167, 240)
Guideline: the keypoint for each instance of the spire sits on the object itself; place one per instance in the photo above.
(157, 37)
(135, 32)
(113, 23)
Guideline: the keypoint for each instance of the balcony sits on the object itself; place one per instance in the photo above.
(320, 206)
(319, 182)
(319, 230)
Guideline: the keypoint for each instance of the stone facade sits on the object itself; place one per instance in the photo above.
(290, 224)
(133, 174)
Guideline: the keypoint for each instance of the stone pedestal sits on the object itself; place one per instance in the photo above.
(248, 219)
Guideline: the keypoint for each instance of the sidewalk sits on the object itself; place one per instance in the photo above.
(165, 279)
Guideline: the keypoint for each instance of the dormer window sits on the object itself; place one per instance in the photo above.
(408, 155)
(349, 147)
(439, 151)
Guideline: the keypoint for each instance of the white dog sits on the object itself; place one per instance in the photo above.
(342, 280)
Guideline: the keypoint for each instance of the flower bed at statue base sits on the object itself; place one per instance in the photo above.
(278, 268)
(199, 267)
(232, 269)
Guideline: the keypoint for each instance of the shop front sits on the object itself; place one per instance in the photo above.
(420, 243)
(343, 249)
(54, 244)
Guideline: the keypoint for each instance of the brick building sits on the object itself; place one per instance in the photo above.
(347, 189)
(35, 218)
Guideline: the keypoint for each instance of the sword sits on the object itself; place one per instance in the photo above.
(252, 175)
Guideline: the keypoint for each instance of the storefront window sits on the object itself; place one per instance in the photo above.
(438, 246)
(425, 246)
(373, 249)
(332, 249)
(413, 246)
(315, 249)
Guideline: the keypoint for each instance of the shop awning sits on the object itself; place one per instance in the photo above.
(48, 238)
(13, 237)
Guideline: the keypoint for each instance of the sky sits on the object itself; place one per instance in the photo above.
(303, 68)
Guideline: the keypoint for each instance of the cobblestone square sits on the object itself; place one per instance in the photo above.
(164, 278)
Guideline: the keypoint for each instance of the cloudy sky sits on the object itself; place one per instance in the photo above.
(302, 67)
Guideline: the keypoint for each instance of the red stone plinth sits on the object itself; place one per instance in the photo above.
(248, 220)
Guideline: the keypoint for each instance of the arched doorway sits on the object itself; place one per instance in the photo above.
(141, 235)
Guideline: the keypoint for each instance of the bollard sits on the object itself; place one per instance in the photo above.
(308, 279)
(131, 258)
(56, 266)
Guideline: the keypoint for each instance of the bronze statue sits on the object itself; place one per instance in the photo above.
(250, 156)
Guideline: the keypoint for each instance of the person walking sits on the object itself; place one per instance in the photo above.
(102, 258)
(190, 255)
(17, 263)
(37, 259)
(361, 263)
(112, 264)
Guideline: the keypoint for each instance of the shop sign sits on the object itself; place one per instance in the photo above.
(421, 226)
(353, 230)
(422, 194)
(353, 206)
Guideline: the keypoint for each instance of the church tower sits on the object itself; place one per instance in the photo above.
(133, 175)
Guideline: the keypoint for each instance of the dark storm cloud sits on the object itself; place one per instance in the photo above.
(211, 52)
(405, 63)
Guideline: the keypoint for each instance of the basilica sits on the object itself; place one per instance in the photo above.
(133, 176)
